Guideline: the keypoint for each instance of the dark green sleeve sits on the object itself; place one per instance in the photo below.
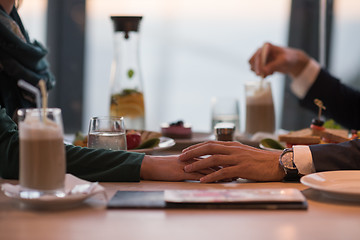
(103, 165)
(85, 163)
(9, 147)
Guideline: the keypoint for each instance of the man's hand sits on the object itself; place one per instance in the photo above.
(235, 160)
(279, 59)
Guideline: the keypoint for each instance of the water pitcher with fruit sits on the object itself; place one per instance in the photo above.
(127, 93)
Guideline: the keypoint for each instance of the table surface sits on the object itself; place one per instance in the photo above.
(325, 218)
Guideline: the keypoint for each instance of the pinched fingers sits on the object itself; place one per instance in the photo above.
(209, 142)
(210, 145)
(196, 176)
(204, 150)
(213, 161)
(253, 60)
(207, 171)
(194, 146)
(220, 175)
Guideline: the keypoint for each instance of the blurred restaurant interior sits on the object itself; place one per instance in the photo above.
(190, 51)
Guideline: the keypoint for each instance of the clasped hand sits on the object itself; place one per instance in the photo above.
(232, 160)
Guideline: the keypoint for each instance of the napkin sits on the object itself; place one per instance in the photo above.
(74, 187)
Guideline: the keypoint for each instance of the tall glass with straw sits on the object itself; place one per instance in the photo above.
(260, 113)
(42, 151)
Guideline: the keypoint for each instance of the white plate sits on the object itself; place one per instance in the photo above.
(344, 185)
(87, 190)
(165, 143)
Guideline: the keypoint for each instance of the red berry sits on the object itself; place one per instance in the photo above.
(133, 140)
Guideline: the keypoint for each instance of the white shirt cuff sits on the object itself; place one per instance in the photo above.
(303, 159)
(302, 83)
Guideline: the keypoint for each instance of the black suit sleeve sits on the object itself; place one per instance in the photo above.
(343, 105)
(341, 156)
(342, 102)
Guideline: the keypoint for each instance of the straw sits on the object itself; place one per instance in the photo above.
(264, 53)
(30, 88)
(44, 97)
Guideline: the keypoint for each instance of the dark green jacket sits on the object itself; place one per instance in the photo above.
(19, 59)
(89, 164)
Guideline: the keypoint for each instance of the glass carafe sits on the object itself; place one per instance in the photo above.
(127, 93)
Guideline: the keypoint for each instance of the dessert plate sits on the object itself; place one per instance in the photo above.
(165, 143)
(76, 189)
(197, 137)
(343, 185)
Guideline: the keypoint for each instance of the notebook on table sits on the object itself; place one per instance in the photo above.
(285, 198)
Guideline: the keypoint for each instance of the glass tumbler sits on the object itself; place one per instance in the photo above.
(225, 109)
(42, 152)
(260, 115)
(107, 132)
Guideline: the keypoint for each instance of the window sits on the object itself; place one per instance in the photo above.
(345, 49)
(33, 15)
(190, 51)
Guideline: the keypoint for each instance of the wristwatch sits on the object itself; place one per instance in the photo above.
(287, 162)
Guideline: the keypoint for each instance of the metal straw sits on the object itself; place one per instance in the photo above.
(27, 86)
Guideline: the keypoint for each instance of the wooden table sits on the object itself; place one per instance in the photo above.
(325, 219)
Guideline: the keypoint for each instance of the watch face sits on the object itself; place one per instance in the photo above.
(287, 160)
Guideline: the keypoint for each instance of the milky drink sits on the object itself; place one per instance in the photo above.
(42, 151)
(260, 116)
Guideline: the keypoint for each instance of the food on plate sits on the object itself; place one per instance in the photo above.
(80, 140)
(300, 137)
(317, 125)
(133, 139)
(176, 130)
(150, 143)
(317, 133)
(308, 136)
(270, 143)
(146, 135)
(149, 139)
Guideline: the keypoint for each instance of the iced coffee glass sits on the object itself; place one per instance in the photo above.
(260, 115)
(42, 152)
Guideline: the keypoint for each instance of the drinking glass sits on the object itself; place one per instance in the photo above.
(225, 109)
(42, 152)
(107, 132)
(260, 115)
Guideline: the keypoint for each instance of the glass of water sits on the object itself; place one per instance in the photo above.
(107, 132)
(225, 109)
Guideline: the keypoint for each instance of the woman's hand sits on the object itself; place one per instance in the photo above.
(279, 59)
(168, 168)
(235, 160)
